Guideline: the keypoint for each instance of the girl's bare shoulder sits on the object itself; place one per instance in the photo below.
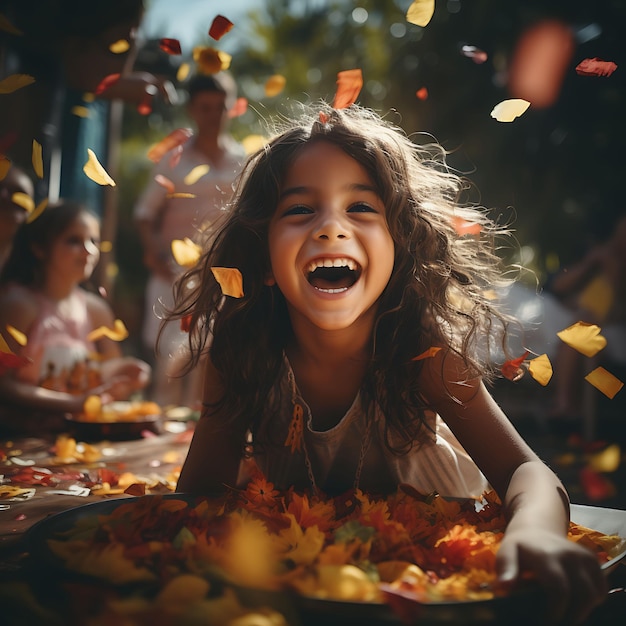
(19, 306)
(99, 310)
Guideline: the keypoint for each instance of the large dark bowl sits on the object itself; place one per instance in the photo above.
(112, 431)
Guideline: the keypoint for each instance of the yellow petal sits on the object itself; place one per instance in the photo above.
(274, 85)
(24, 200)
(106, 246)
(608, 460)
(230, 280)
(37, 158)
(540, 369)
(14, 82)
(80, 111)
(604, 381)
(180, 194)
(186, 252)
(120, 46)
(183, 72)
(4, 346)
(117, 333)
(95, 171)
(252, 143)
(37, 211)
(5, 166)
(584, 337)
(18, 335)
(508, 110)
(196, 174)
(420, 12)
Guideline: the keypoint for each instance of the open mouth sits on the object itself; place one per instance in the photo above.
(333, 275)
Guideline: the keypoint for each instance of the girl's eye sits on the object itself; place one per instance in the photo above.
(361, 207)
(298, 210)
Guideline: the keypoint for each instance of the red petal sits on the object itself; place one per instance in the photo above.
(510, 369)
(176, 138)
(185, 323)
(595, 67)
(106, 82)
(422, 93)
(171, 46)
(220, 26)
(239, 108)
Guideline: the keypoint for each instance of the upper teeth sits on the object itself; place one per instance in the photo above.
(345, 262)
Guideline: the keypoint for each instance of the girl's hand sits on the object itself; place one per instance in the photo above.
(570, 574)
(125, 375)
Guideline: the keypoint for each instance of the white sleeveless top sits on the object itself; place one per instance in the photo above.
(439, 464)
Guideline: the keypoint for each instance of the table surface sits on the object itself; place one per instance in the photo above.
(149, 465)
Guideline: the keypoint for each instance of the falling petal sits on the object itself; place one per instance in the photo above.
(23, 200)
(5, 166)
(605, 382)
(37, 211)
(230, 280)
(427, 354)
(583, 337)
(176, 138)
(7, 26)
(595, 67)
(18, 335)
(180, 194)
(596, 486)
(171, 46)
(349, 84)
(117, 333)
(186, 253)
(183, 72)
(420, 12)
(165, 182)
(422, 93)
(540, 61)
(210, 60)
(196, 174)
(476, 54)
(463, 227)
(106, 82)
(239, 108)
(94, 170)
(512, 369)
(145, 105)
(540, 369)
(274, 85)
(252, 143)
(120, 46)
(608, 460)
(37, 158)
(508, 110)
(219, 27)
(185, 323)
(80, 111)
(106, 246)
(175, 156)
(14, 82)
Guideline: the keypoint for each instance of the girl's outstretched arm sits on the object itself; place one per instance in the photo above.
(217, 446)
(536, 502)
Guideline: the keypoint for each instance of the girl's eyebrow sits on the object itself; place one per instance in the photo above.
(293, 191)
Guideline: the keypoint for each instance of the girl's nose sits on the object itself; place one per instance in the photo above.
(331, 228)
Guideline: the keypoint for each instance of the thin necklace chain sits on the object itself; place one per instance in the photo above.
(307, 460)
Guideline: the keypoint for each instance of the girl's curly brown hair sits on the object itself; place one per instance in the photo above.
(436, 295)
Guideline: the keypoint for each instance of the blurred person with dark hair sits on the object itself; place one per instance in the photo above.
(162, 218)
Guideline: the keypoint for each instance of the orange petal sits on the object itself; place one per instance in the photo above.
(427, 354)
(583, 337)
(165, 182)
(230, 280)
(14, 82)
(512, 369)
(508, 110)
(219, 27)
(605, 382)
(117, 333)
(422, 93)
(349, 84)
(595, 67)
(176, 138)
(94, 170)
(18, 335)
(239, 108)
(210, 60)
(196, 174)
(274, 85)
(92, 407)
(24, 200)
(106, 82)
(186, 252)
(37, 211)
(37, 158)
(171, 46)
(420, 12)
(540, 369)
(5, 166)
(463, 227)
